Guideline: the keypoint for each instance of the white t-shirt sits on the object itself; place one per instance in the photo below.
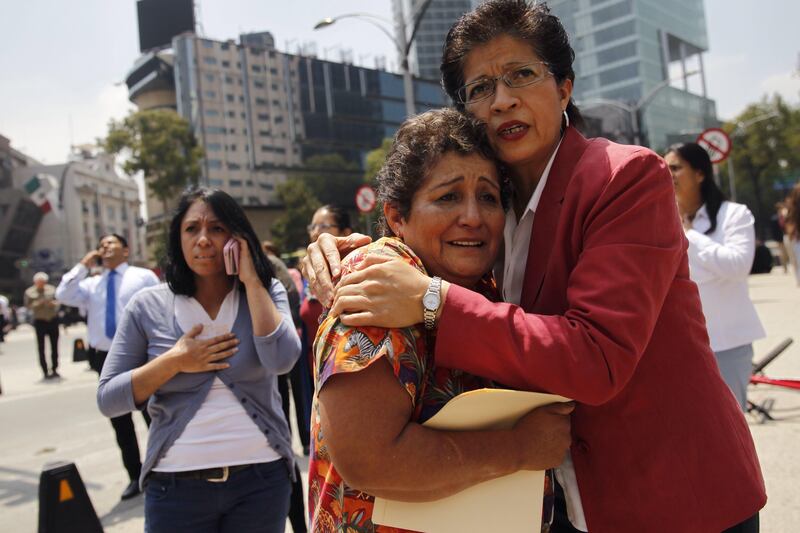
(220, 433)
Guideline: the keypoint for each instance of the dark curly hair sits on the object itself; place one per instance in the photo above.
(517, 18)
(179, 276)
(418, 145)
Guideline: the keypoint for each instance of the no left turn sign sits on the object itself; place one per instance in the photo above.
(366, 198)
(717, 143)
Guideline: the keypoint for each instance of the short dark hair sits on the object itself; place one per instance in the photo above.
(697, 158)
(340, 215)
(516, 18)
(418, 145)
(122, 240)
(179, 276)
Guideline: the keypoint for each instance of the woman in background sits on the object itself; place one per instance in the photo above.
(721, 248)
(793, 228)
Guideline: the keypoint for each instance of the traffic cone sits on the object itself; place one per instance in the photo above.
(64, 505)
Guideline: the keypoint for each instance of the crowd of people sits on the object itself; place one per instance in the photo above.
(513, 253)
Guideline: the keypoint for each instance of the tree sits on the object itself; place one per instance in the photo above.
(160, 144)
(289, 230)
(764, 153)
(375, 159)
(331, 179)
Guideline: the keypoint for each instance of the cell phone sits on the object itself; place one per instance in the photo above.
(231, 255)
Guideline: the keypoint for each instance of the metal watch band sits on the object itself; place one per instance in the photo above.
(429, 315)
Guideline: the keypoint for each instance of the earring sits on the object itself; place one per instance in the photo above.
(566, 119)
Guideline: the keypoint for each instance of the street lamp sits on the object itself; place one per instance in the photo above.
(635, 110)
(402, 42)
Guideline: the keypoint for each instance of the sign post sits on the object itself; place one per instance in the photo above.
(366, 199)
(718, 145)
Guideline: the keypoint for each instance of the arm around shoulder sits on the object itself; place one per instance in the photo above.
(631, 244)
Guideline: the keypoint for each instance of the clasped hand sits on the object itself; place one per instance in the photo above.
(203, 355)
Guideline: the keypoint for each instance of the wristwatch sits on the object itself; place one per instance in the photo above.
(431, 301)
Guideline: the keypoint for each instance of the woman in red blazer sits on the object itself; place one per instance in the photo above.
(603, 310)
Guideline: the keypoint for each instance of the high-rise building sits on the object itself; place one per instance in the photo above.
(260, 113)
(633, 57)
(646, 54)
(426, 49)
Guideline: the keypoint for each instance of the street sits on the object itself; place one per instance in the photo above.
(44, 421)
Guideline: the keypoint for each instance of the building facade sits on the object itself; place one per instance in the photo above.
(19, 221)
(91, 200)
(626, 51)
(426, 50)
(260, 113)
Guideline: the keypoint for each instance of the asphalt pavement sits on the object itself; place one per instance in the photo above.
(43, 421)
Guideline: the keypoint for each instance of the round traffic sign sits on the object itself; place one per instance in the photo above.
(366, 198)
(717, 143)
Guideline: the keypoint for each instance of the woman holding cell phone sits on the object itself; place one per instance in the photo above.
(204, 350)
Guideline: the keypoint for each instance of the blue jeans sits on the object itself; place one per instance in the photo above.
(254, 500)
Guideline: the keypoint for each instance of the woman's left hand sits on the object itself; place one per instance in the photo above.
(384, 292)
(247, 270)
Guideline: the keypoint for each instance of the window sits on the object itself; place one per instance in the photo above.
(215, 182)
(234, 166)
(615, 75)
(276, 103)
(214, 147)
(273, 71)
(256, 68)
(274, 86)
(261, 101)
(209, 60)
(263, 116)
(264, 133)
(278, 120)
(212, 113)
(232, 148)
(615, 53)
(613, 33)
(210, 94)
(207, 43)
(209, 77)
(215, 130)
(231, 114)
(112, 214)
(229, 97)
(258, 84)
(236, 183)
(214, 163)
(226, 64)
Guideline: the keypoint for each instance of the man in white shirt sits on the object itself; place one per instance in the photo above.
(104, 297)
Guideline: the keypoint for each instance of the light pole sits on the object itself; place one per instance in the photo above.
(635, 110)
(740, 127)
(402, 42)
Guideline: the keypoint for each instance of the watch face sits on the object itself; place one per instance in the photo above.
(431, 301)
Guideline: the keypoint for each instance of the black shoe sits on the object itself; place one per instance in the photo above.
(55, 375)
(131, 491)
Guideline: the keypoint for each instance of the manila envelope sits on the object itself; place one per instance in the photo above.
(510, 503)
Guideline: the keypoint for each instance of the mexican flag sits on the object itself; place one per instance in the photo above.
(42, 189)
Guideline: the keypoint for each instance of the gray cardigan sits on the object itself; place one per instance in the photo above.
(148, 329)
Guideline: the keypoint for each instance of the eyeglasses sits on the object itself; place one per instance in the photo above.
(515, 78)
(321, 227)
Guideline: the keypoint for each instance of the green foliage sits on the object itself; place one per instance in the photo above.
(289, 230)
(375, 159)
(765, 150)
(159, 143)
(331, 179)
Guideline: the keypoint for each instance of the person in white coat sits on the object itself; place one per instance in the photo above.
(721, 239)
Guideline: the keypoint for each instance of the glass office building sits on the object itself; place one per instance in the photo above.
(645, 54)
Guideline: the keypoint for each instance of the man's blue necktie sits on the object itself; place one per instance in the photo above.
(111, 305)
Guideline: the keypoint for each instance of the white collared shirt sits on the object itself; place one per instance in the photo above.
(77, 290)
(517, 242)
(719, 263)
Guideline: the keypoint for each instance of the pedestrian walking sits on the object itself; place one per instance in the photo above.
(104, 297)
(793, 229)
(5, 314)
(41, 300)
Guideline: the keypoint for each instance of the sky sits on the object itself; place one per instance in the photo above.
(63, 63)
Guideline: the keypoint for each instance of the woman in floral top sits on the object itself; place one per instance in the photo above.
(442, 198)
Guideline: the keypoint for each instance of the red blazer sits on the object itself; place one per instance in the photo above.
(609, 317)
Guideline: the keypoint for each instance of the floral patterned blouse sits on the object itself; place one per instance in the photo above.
(333, 505)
